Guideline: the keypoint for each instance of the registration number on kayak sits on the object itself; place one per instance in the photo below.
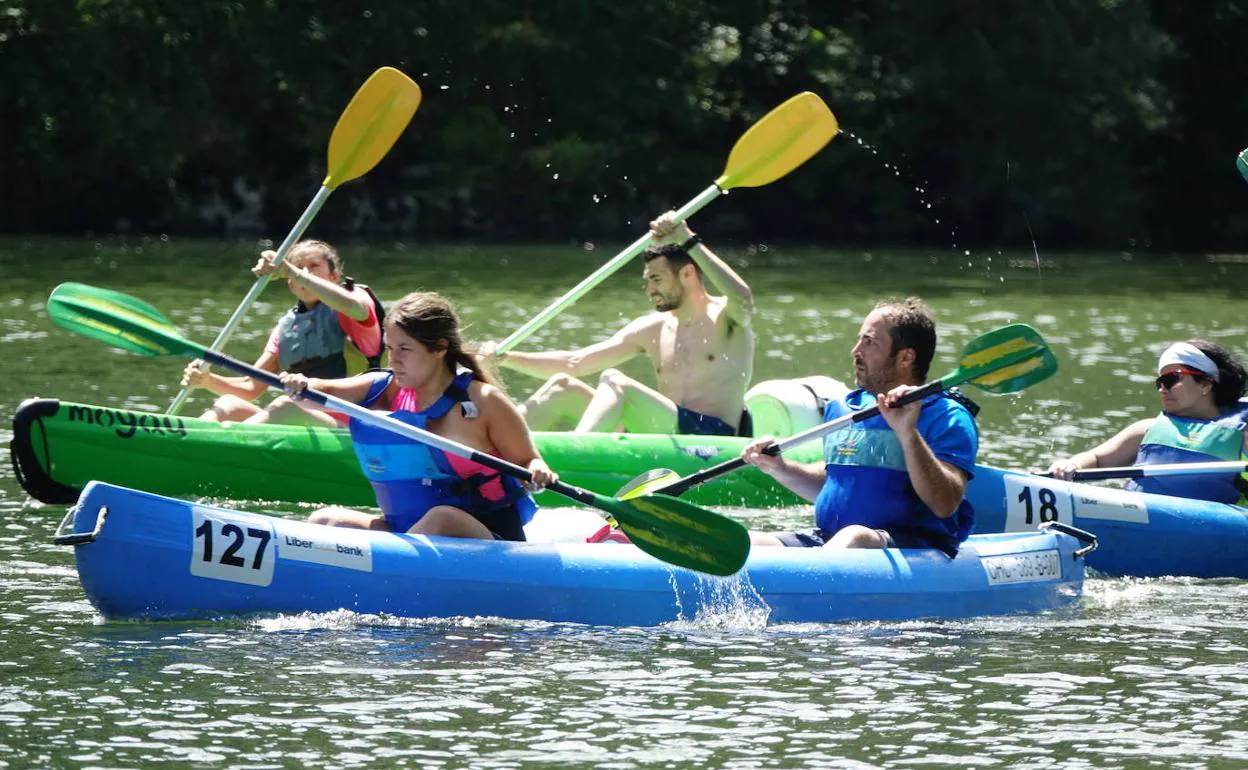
(1030, 567)
(235, 548)
(244, 549)
(1031, 501)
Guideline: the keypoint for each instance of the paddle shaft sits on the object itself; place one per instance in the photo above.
(366, 415)
(706, 474)
(1145, 471)
(226, 331)
(602, 273)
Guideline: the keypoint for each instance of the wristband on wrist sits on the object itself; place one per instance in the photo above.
(694, 240)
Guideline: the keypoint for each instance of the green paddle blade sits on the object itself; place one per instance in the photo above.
(681, 533)
(116, 319)
(648, 483)
(779, 142)
(371, 124)
(1241, 163)
(1004, 360)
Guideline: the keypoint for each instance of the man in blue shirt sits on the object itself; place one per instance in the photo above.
(896, 480)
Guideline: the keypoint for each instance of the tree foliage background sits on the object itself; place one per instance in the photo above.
(1090, 123)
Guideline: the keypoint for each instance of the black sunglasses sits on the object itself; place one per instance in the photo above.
(1170, 379)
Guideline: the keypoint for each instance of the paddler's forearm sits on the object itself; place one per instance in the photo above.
(240, 387)
(722, 277)
(939, 485)
(804, 479)
(336, 296)
(542, 365)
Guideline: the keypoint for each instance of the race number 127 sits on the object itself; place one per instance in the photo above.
(228, 548)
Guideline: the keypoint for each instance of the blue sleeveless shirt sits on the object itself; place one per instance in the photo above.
(409, 477)
(867, 482)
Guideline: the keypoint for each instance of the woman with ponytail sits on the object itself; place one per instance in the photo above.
(334, 322)
(434, 384)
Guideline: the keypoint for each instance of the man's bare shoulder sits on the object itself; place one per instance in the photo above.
(647, 323)
(721, 313)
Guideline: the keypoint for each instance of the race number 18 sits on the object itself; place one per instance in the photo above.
(1046, 510)
(1030, 502)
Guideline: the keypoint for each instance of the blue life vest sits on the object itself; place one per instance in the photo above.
(867, 482)
(409, 477)
(1172, 439)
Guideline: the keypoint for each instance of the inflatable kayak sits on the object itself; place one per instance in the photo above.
(140, 555)
(58, 446)
(1140, 534)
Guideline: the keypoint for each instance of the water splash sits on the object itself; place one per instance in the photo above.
(922, 189)
(721, 603)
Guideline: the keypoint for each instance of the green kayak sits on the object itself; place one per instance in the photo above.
(59, 446)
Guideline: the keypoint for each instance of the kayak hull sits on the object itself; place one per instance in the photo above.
(141, 555)
(1140, 535)
(57, 447)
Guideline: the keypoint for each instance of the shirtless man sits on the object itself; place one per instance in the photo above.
(701, 347)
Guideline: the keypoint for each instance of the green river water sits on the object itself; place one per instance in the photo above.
(1143, 673)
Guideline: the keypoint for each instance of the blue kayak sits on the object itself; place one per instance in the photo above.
(141, 555)
(1139, 534)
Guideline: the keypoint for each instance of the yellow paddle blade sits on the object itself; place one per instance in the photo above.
(779, 142)
(371, 124)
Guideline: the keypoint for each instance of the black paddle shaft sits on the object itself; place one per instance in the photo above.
(1094, 474)
(706, 474)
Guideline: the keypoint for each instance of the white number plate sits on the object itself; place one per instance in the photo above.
(235, 548)
(1031, 567)
(1031, 501)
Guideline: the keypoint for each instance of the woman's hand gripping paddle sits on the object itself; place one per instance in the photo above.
(779, 142)
(365, 132)
(1004, 360)
(668, 529)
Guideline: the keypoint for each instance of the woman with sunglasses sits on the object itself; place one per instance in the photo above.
(1202, 420)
